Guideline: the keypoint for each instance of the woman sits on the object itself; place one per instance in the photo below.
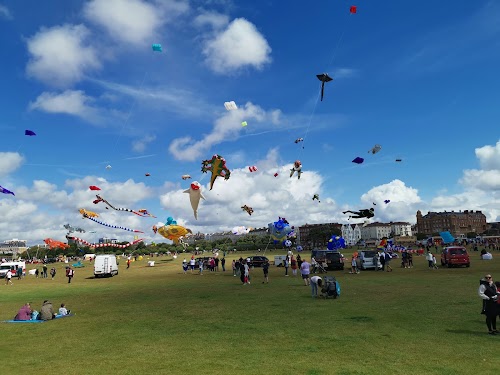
(24, 313)
(294, 266)
(488, 292)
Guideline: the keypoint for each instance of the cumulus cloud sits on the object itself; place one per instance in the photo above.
(489, 157)
(140, 144)
(212, 19)
(9, 162)
(60, 56)
(71, 102)
(484, 180)
(226, 128)
(5, 12)
(132, 21)
(240, 44)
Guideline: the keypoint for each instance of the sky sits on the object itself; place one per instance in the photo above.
(420, 78)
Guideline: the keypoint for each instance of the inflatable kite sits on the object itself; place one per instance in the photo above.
(92, 187)
(238, 231)
(375, 149)
(185, 176)
(97, 245)
(86, 213)
(230, 105)
(358, 160)
(316, 197)
(195, 195)
(323, 78)
(6, 191)
(247, 209)
(53, 244)
(29, 132)
(361, 213)
(174, 232)
(279, 230)
(216, 165)
(141, 212)
(297, 167)
(156, 47)
(335, 243)
(72, 229)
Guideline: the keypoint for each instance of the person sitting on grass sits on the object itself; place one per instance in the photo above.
(47, 311)
(24, 313)
(63, 311)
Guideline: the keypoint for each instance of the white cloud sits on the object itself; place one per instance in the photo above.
(483, 180)
(9, 162)
(344, 73)
(71, 102)
(140, 144)
(134, 22)
(5, 12)
(60, 55)
(489, 156)
(212, 19)
(237, 46)
(226, 128)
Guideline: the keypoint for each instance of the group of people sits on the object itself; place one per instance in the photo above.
(489, 292)
(46, 312)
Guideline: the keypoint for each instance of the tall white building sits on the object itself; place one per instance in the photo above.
(351, 233)
(375, 231)
(401, 229)
(13, 246)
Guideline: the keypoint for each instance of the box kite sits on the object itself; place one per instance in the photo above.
(230, 105)
(156, 47)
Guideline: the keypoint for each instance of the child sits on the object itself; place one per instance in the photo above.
(63, 311)
(184, 266)
(434, 263)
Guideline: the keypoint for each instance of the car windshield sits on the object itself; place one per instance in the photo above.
(370, 254)
(457, 251)
(5, 267)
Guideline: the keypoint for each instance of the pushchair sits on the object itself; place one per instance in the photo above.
(331, 287)
(321, 267)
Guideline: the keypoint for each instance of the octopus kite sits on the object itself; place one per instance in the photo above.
(247, 209)
(216, 165)
(297, 167)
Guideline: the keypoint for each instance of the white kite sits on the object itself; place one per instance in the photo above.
(195, 195)
(230, 105)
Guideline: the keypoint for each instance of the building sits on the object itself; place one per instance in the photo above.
(400, 228)
(457, 223)
(13, 247)
(375, 231)
(351, 233)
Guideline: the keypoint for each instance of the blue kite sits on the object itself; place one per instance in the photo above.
(156, 47)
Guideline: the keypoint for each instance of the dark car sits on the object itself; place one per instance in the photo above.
(455, 256)
(257, 261)
(332, 258)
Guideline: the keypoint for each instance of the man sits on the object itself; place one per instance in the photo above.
(316, 284)
(488, 292)
(265, 269)
(69, 274)
(47, 311)
(305, 270)
(8, 278)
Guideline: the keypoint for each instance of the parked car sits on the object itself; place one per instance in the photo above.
(257, 261)
(455, 256)
(369, 259)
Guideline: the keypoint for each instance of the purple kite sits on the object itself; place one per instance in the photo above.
(6, 191)
(29, 132)
(358, 160)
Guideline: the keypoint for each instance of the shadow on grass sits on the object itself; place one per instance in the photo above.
(362, 319)
(467, 332)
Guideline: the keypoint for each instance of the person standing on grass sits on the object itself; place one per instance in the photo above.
(246, 278)
(184, 266)
(128, 262)
(434, 263)
(488, 292)
(192, 263)
(430, 259)
(52, 273)
(223, 264)
(410, 260)
(200, 265)
(294, 266)
(316, 284)
(69, 274)
(305, 271)
(387, 258)
(44, 274)
(233, 265)
(8, 278)
(265, 269)
(287, 264)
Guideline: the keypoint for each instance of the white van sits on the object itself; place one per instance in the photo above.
(13, 266)
(369, 259)
(105, 265)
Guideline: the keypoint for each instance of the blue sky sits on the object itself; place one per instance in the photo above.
(419, 78)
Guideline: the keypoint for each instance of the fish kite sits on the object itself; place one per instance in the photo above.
(216, 165)
(297, 167)
(94, 245)
(230, 105)
(247, 209)
(316, 197)
(253, 168)
(299, 140)
(195, 195)
(173, 232)
(361, 213)
(375, 149)
(358, 160)
(323, 78)
(244, 123)
(53, 244)
(185, 176)
(92, 187)
(138, 213)
(156, 47)
(6, 191)
(86, 213)
(29, 132)
(111, 226)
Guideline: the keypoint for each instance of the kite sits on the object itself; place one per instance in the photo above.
(185, 176)
(244, 123)
(111, 226)
(29, 132)
(253, 168)
(398, 160)
(358, 160)
(195, 195)
(141, 212)
(297, 167)
(299, 140)
(386, 201)
(230, 105)
(238, 231)
(156, 47)
(53, 244)
(6, 191)
(323, 78)
(247, 209)
(173, 232)
(147, 174)
(86, 213)
(375, 149)
(353, 9)
(216, 165)
(361, 213)
(94, 245)
(279, 230)
(299, 248)
(335, 243)
(287, 243)
(92, 187)
(108, 167)
(72, 229)
(316, 196)
(276, 174)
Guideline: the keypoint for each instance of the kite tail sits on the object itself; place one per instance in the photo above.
(114, 226)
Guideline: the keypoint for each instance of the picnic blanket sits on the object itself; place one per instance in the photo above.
(37, 321)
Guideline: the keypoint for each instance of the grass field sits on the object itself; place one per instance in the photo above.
(156, 320)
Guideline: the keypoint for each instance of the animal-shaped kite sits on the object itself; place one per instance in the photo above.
(279, 230)
(247, 209)
(238, 231)
(361, 213)
(230, 105)
(29, 132)
(195, 195)
(156, 47)
(185, 177)
(358, 160)
(72, 229)
(323, 78)
(174, 232)
(53, 244)
(335, 243)
(316, 197)
(92, 187)
(297, 167)
(216, 165)
(142, 212)
(6, 191)
(375, 149)
(86, 213)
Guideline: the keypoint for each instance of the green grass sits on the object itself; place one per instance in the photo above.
(156, 320)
